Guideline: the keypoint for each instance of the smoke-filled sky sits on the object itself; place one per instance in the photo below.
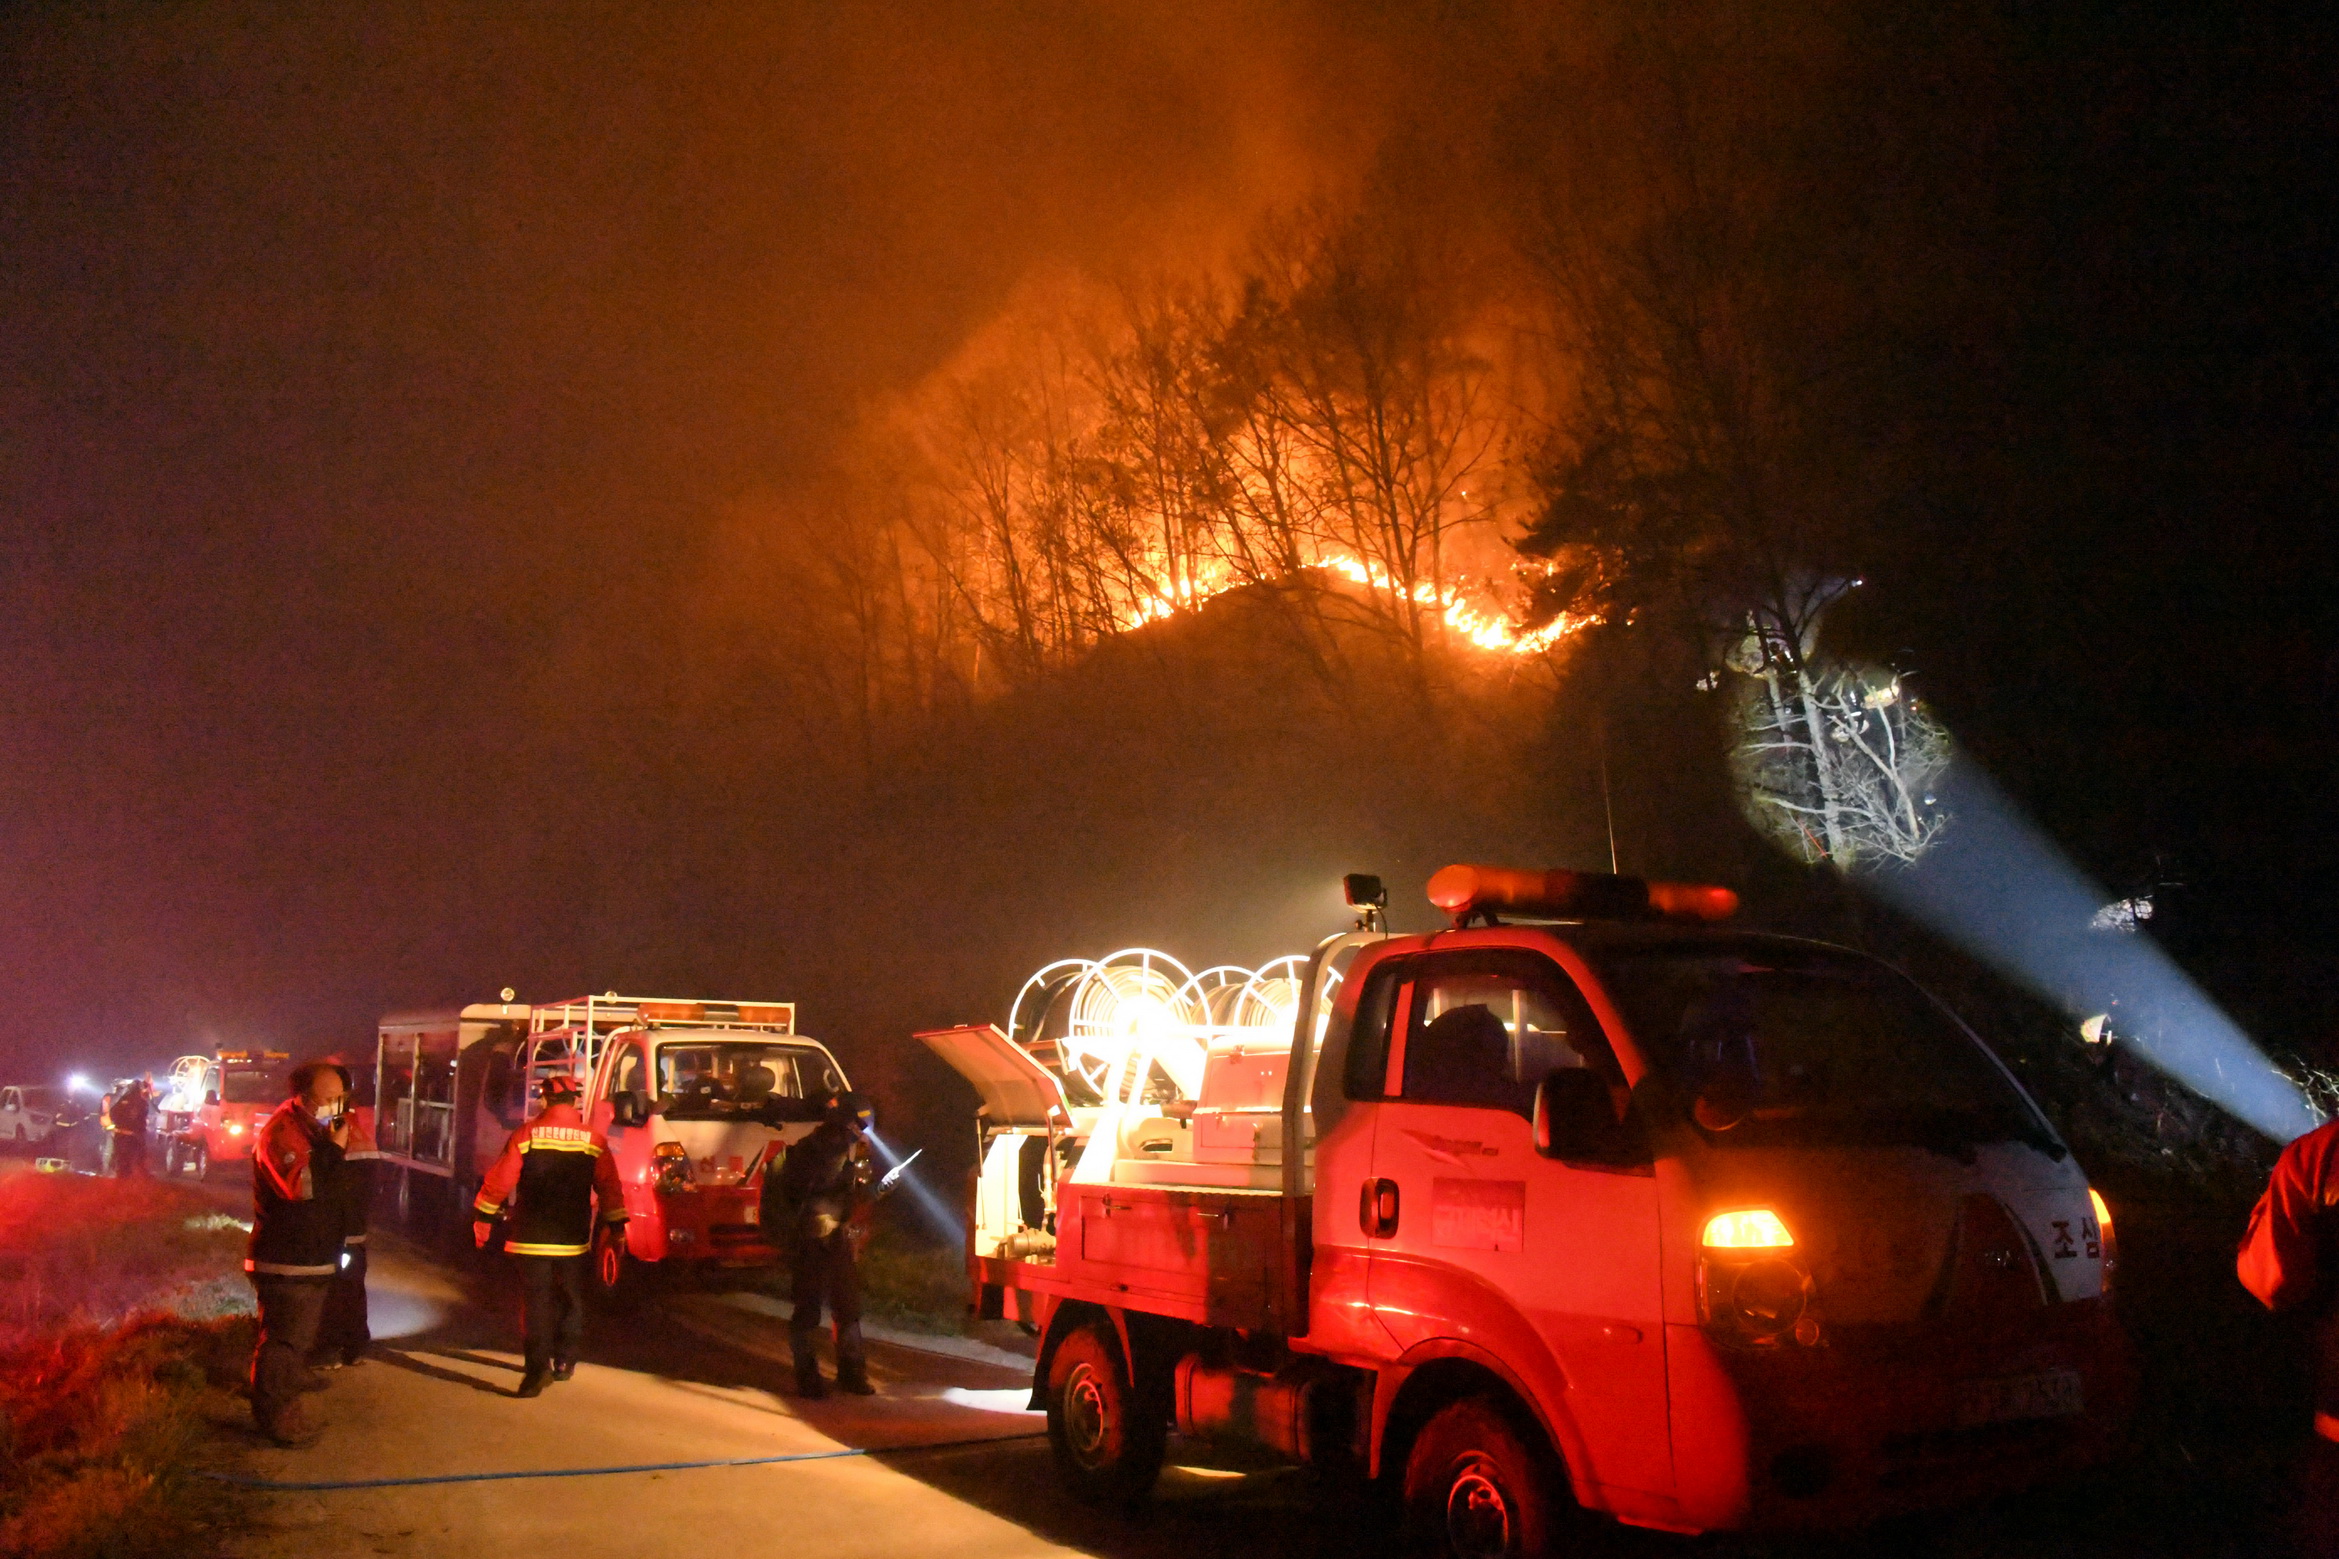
(372, 385)
(378, 386)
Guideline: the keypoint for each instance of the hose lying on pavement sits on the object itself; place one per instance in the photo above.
(325, 1486)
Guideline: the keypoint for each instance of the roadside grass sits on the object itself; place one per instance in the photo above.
(106, 1430)
(101, 1250)
(918, 1284)
(908, 1281)
(123, 1333)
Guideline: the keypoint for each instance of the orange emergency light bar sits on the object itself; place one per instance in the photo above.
(1467, 891)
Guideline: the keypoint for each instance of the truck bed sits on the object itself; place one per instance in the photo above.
(1211, 1256)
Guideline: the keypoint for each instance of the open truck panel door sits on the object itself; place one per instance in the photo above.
(1024, 1114)
(1018, 1093)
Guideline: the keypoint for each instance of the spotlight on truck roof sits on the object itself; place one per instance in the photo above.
(1486, 892)
(1364, 891)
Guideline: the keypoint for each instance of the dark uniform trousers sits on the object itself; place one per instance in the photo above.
(826, 1274)
(291, 1310)
(345, 1334)
(129, 1154)
(552, 1290)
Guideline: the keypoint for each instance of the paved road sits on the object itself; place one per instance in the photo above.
(700, 1379)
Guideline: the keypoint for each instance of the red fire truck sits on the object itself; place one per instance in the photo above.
(694, 1097)
(214, 1105)
(1598, 1205)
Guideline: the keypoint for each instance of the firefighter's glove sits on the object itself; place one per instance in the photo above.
(479, 1234)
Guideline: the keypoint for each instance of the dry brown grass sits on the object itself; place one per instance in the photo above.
(115, 1355)
(76, 1247)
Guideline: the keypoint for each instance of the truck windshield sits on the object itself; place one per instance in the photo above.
(42, 1098)
(1782, 1046)
(252, 1085)
(722, 1079)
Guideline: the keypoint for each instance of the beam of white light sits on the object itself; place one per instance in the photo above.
(938, 1213)
(2001, 890)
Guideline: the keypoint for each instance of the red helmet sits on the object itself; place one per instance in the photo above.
(560, 1088)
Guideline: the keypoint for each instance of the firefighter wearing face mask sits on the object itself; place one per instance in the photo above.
(825, 1181)
(546, 1185)
(297, 1229)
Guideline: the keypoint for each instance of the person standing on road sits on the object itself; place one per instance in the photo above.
(345, 1334)
(549, 1176)
(296, 1244)
(2285, 1261)
(824, 1180)
(126, 1119)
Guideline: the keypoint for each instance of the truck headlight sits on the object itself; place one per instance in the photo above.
(1753, 1287)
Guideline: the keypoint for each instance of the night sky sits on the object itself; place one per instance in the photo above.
(380, 390)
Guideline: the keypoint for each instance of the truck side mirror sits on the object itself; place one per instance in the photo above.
(624, 1109)
(1576, 1120)
(211, 1097)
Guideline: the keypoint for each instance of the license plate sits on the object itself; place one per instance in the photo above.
(2048, 1394)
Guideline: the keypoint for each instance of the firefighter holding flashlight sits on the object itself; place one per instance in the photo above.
(2286, 1261)
(545, 1186)
(825, 1182)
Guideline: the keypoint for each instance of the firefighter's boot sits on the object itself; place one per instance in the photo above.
(808, 1381)
(532, 1383)
(853, 1362)
(293, 1428)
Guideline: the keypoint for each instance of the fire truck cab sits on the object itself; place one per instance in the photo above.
(1598, 1204)
(695, 1097)
(212, 1107)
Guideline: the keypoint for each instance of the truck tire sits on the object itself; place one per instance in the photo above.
(197, 1157)
(1475, 1488)
(1108, 1438)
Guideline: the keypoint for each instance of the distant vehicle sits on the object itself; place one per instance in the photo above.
(28, 1115)
(210, 1113)
(696, 1097)
(1594, 1203)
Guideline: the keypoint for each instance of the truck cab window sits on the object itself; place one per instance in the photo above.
(1485, 1028)
(630, 1071)
(1367, 1068)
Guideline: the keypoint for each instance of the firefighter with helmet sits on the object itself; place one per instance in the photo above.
(825, 1181)
(545, 1185)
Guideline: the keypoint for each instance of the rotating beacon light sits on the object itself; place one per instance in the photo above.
(1486, 892)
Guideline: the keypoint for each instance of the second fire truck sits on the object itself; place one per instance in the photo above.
(210, 1107)
(695, 1097)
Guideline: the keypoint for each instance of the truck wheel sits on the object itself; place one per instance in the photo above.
(198, 1160)
(1474, 1489)
(1107, 1440)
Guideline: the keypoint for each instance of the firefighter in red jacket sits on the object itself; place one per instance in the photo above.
(545, 1185)
(2287, 1260)
(296, 1243)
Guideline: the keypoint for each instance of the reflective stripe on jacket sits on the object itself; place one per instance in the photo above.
(546, 1181)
